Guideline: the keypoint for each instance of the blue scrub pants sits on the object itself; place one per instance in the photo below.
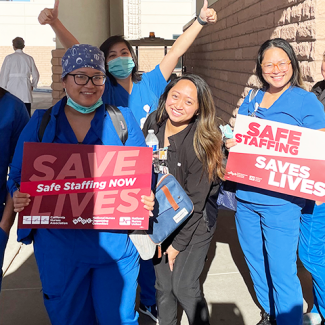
(147, 279)
(3, 244)
(268, 236)
(312, 250)
(89, 294)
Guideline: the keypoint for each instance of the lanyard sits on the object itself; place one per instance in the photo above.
(253, 114)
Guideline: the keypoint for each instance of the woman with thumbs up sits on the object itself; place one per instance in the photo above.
(124, 86)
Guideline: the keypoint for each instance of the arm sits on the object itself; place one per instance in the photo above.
(35, 74)
(182, 44)
(4, 73)
(8, 216)
(50, 17)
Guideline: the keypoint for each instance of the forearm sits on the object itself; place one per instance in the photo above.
(184, 41)
(180, 46)
(8, 216)
(65, 37)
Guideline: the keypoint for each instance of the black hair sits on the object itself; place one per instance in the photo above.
(296, 79)
(2, 92)
(108, 44)
(207, 141)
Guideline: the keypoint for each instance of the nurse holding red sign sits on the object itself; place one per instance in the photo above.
(268, 222)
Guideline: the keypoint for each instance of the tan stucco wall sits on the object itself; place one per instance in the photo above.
(224, 54)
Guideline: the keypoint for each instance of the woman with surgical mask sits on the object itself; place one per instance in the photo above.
(125, 87)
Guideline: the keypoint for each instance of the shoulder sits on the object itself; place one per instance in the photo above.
(150, 123)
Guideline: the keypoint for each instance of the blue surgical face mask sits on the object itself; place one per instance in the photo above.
(83, 109)
(121, 67)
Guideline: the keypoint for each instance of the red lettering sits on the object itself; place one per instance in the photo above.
(281, 133)
(267, 133)
(238, 138)
(72, 168)
(40, 167)
(294, 138)
(122, 163)
(253, 129)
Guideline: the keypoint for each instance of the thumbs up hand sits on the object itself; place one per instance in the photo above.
(49, 16)
(208, 14)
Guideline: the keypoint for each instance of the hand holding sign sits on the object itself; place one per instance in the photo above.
(21, 200)
(84, 187)
(208, 14)
(49, 16)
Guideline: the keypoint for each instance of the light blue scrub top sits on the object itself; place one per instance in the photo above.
(144, 96)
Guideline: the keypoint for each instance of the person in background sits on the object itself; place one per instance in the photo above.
(312, 238)
(88, 276)
(13, 118)
(16, 70)
(126, 87)
(187, 126)
(268, 222)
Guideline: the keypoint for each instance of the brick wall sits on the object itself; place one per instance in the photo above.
(42, 57)
(224, 54)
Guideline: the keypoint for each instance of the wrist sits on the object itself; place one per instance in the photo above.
(201, 21)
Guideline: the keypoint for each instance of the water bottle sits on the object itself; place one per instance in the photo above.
(153, 142)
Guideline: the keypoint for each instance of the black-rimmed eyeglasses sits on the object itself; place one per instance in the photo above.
(83, 79)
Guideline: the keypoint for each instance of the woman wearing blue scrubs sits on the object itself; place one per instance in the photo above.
(125, 87)
(88, 276)
(13, 118)
(268, 222)
(312, 238)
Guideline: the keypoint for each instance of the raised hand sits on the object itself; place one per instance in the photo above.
(208, 14)
(49, 16)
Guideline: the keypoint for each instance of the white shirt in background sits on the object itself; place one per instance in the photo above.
(16, 70)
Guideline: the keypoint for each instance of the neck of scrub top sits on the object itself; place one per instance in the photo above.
(126, 83)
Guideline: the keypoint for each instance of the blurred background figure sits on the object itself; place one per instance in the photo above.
(16, 70)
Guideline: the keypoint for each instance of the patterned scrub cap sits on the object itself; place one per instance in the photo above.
(83, 56)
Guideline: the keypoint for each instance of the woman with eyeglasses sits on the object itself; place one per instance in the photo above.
(125, 86)
(268, 222)
(88, 276)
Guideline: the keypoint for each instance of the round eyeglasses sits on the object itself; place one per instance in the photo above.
(83, 79)
(282, 66)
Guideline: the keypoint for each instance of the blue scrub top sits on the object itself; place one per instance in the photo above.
(13, 118)
(295, 107)
(82, 246)
(144, 96)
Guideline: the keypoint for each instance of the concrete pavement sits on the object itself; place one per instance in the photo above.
(226, 281)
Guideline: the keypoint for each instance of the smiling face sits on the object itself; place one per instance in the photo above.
(182, 103)
(86, 95)
(278, 80)
(118, 49)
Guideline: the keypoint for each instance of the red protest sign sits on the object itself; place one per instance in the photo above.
(85, 186)
(278, 157)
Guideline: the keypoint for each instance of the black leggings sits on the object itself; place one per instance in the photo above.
(182, 285)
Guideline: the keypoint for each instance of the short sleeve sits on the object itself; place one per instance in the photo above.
(156, 81)
(312, 112)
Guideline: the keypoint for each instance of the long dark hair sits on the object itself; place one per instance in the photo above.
(207, 140)
(108, 44)
(296, 79)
